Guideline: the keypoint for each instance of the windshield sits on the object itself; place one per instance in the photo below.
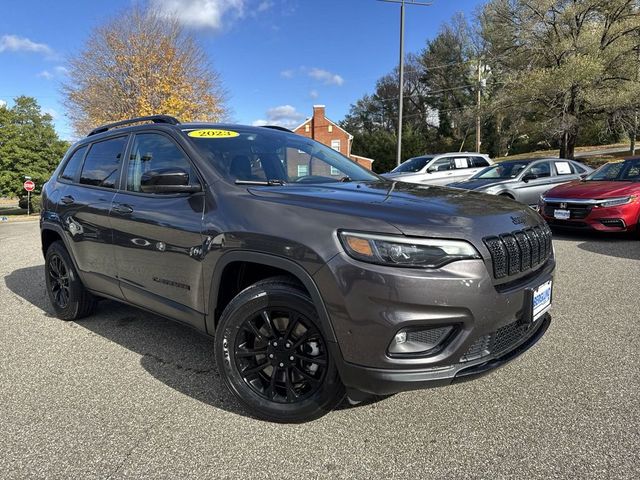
(264, 155)
(412, 165)
(502, 170)
(627, 171)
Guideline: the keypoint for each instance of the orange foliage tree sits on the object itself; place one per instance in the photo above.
(141, 64)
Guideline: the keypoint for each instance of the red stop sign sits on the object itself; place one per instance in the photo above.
(29, 186)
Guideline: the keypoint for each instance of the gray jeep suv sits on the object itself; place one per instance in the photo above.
(315, 277)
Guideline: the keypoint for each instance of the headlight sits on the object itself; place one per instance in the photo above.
(614, 202)
(405, 252)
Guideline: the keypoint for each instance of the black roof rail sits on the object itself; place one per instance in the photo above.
(276, 127)
(150, 118)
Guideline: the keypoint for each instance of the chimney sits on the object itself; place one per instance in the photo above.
(318, 112)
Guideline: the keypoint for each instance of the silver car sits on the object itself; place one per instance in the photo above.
(524, 180)
(440, 169)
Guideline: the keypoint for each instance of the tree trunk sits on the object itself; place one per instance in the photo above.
(563, 145)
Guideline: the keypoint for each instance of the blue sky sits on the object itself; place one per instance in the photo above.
(277, 58)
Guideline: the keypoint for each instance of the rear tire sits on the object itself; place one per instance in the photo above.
(68, 296)
(273, 355)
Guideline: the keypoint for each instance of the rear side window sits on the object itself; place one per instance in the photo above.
(479, 162)
(73, 165)
(152, 151)
(564, 168)
(103, 162)
(461, 162)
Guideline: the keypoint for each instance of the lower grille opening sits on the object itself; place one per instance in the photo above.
(613, 222)
(499, 342)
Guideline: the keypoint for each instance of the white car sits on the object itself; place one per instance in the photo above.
(440, 169)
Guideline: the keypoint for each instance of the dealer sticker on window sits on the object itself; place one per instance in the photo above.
(541, 300)
(212, 133)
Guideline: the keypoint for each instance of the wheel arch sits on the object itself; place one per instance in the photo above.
(270, 262)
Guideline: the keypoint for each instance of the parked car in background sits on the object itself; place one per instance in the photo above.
(607, 200)
(524, 180)
(439, 169)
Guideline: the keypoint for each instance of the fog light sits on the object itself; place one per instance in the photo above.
(419, 341)
(401, 337)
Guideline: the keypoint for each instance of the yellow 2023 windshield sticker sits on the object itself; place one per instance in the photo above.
(213, 133)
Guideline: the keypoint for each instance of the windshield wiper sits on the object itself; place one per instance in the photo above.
(268, 183)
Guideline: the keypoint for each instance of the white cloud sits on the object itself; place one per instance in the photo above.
(265, 5)
(46, 74)
(201, 14)
(314, 94)
(13, 43)
(284, 115)
(60, 70)
(3, 103)
(326, 77)
(287, 73)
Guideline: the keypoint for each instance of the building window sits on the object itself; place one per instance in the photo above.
(330, 128)
(303, 170)
(307, 128)
(335, 171)
(335, 144)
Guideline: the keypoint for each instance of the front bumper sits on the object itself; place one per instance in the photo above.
(622, 218)
(388, 381)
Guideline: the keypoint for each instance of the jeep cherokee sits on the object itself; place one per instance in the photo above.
(315, 277)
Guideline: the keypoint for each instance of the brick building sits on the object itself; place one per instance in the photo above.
(323, 130)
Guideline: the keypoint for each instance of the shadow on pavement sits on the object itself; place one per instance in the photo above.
(175, 354)
(620, 245)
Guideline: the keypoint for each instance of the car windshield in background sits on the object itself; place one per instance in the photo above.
(502, 170)
(627, 171)
(412, 165)
(263, 155)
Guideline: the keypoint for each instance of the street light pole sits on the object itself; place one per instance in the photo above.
(401, 67)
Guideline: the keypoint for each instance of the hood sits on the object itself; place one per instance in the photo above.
(419, 210)
(476, 184)
(593, 190)
(391, 175)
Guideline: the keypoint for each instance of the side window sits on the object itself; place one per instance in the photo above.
(541, 170)
(460, 163)
(152, 151)
(564, 168)
(479, 162)
(440, 165)
(103, 162)
(73, 165)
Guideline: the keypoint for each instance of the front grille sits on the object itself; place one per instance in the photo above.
(501, 341)
(577, 211)
(516, 252)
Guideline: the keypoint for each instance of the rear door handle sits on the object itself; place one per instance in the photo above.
(67, 200)
(122, 208)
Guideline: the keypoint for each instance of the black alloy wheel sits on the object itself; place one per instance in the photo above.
(68, 296)
(273, 355)
(281, 355)
(58, 281)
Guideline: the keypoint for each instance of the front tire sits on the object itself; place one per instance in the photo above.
(273, 356)
(68, 296)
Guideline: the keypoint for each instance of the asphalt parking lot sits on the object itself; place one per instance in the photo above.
(128, 394)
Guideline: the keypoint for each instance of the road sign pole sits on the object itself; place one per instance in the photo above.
(28, 203)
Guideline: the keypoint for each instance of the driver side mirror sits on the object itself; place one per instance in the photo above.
(528, 177)
(431, 169)
(167, 180)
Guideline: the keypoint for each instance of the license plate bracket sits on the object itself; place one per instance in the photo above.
(537, 301)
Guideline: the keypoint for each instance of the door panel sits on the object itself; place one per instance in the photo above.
(529, 192)
(157, 237)
(84, 213)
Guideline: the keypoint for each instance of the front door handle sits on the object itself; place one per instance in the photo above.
(122, 208)
(67, 200)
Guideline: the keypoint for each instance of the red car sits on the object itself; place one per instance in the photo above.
(606, 200)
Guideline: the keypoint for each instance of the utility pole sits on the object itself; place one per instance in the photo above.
(479, 98)
(401, 82)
